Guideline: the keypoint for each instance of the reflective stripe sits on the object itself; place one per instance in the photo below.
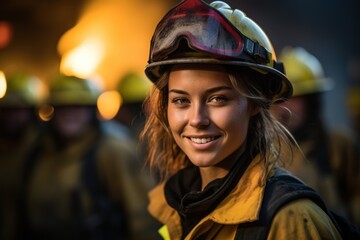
(164, 232)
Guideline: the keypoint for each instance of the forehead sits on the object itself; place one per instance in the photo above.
(198, 71)
(202, 76)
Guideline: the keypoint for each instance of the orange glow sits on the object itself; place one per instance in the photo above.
(42, 90)
(46, 112)
(109, 104)
(2, 85)
(5, 34)
(110, 39)
(84, 59)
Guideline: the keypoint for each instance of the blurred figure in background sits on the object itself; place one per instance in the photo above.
(329, 159)
(133, 89)
(84, 183)
(19, 131)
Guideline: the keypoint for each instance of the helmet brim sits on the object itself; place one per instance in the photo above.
(156, 69)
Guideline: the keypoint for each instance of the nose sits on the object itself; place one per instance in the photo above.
(199, 117)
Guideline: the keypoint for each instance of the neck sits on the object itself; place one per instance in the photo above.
(220, 170)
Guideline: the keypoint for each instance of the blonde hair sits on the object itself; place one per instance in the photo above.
(269, 136)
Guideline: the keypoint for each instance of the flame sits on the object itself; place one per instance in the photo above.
(83, 60)
(3, 85)
(111, 38)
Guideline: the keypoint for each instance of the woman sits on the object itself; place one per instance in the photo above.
(211, 137)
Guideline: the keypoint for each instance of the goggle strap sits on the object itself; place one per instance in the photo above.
(256, 50)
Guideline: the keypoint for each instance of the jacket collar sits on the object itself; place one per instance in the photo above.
(244, 202)
(241, 205)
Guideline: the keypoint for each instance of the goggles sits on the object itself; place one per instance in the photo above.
(206, 30)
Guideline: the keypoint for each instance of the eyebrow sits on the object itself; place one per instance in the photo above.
(210, 90)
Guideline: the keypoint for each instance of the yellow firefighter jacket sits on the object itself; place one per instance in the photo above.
(301, 219)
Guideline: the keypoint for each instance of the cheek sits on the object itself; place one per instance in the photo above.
(175, 119)
(237, 121)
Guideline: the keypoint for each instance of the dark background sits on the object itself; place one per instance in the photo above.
(329, 29)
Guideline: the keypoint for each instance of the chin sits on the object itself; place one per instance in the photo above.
(204, 162)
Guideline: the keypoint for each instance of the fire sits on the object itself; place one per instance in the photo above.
(110, 39)
(83, 60)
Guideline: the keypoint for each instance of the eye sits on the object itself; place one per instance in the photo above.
(218, 99)
(180, 101)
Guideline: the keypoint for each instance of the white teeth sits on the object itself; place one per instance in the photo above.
(202, 140)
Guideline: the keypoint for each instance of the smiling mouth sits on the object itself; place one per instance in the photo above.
(202, 140)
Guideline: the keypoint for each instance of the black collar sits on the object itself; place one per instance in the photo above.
(183, 191)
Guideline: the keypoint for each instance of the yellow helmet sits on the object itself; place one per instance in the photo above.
(71, 90)
(304, 71)
(22, 90)
(197, 32)
(133, 87)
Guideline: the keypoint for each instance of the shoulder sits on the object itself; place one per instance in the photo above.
(158, 206)
(302, 219)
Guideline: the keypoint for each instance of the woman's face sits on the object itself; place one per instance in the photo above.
(208, 118)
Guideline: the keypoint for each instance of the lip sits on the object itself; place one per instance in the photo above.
(203, 142)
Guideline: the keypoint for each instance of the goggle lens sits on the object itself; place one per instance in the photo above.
(205, 29)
